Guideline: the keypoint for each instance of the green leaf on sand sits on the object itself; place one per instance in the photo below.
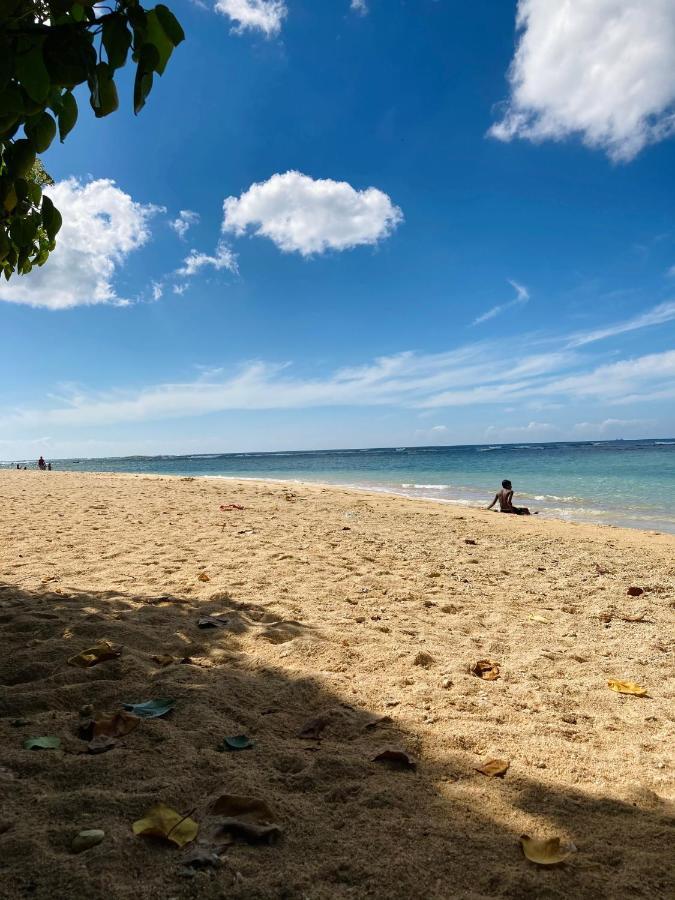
(235, 742)
(42, 743)
(151, 709)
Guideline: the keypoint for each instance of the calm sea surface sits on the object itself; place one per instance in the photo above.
(628, 483)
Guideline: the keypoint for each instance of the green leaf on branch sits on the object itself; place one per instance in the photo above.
(22, 157)
(32, 72)
(148, 60)
(116, 40)
(104, 99)
(67, 115)
(156, 36)
(41, 131)
(51, 218)
(170, 24)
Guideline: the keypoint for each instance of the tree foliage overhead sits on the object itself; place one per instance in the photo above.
(48, 48)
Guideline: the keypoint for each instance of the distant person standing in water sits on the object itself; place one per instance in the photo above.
(42, 464)
(505, 500)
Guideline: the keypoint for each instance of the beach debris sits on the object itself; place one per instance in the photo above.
(212, 622)
(115, 726)
(162, 659)
(150, 709)
(470, 541)
(638, 617)
(163, 822)
(100, 652)
(378, 720)
(626, 687)
(201, 856)
(395, 758)
(313, 728)
(549, 852)
(42, 743)
(485, 669)
(446, 682)
(494, 768)
(228, 506)
(635, 591)
(101, 744)
(203, 577)
(424, 659)
(540, 619)
(601, 570)
(246, 817)
(235, 742)
(85, 840)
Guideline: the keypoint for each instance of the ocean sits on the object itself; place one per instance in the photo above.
(626, 483)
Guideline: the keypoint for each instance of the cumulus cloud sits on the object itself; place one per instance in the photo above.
(601, 69)
(359, 6)
(195, 261)
(522, 296)
(102, 225)
(305, 215)
(185, 219)
(254, 15)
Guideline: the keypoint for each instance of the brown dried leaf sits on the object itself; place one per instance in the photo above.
(246, 817)
(635, 591)
(494, 768)
(545, 853)
(100, 652)
(395, 758)
(313, 728)
(101, 744)
(203, 576)
(485, 669)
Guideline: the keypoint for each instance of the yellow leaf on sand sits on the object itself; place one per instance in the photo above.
(162, 821)
(98, 653)
(485, 669)
(626, 687)
(545, 853)
(203, 576)
(495, 768)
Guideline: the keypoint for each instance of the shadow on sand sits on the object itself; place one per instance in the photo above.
(353, 828)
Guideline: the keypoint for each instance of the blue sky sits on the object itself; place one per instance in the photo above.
(445, 225)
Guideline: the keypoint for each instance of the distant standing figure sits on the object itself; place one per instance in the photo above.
(505, 500)
(42, 464)
(49, 467)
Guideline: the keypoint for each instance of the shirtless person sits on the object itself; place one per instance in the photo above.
(505, 500)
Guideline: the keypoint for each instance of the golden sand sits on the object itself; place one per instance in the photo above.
(346, 607)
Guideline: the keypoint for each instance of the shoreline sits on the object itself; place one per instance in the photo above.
(462, 505)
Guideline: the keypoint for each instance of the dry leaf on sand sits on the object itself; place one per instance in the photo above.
(115, 726)
(495, 768)
(313, 728)
(635, 591)
(395, 759)
(98, 653)
(164, 822)
(246, 817)
(213, 622)
(162, 660)
(545, 853)
(84, 840)
(203, 576)
(626, 687)
(485, 669)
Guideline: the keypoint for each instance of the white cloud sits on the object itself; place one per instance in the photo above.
(658, 315)
(609, 428)
(602, 69)
(157, 290)
(522, 296)
(101, 226)
(360, 7)
(309, 216)
(254, 15)
(439, 428)
(533, 431)
(185, 219)
(223, 258)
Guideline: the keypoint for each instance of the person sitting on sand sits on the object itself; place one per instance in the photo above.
(505, 500)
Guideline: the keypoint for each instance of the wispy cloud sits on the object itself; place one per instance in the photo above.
(658, 315)
(185, 219)
(266, 16)
(360, 7)
(521, 298)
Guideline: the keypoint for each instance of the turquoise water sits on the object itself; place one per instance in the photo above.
(628, 483)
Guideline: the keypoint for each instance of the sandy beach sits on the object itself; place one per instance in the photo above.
(348, 624)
